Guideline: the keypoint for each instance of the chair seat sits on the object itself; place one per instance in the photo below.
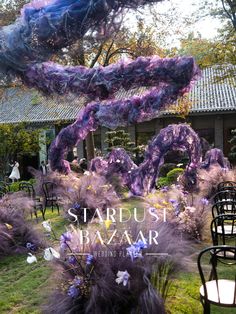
(53, 199)
(228, 230)
(226, 290)
(226, 255)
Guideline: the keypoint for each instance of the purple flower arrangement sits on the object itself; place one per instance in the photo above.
(186, 211)
(119, 277)
(16, 234)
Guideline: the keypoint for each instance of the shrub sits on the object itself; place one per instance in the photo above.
(162, 181)
(173, 174)
(170, 178)
(14, 187)
(165, 168)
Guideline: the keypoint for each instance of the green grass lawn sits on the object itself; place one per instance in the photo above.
(24, 287)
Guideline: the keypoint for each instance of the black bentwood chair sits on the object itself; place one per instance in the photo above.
(50, 197)
(4, 188)
(223, 232)
(223, 207)
(29, 190)
(226, 185)
(225, 195)
(218, 280)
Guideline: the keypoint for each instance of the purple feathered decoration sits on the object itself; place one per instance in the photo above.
(103, 82)
(47, 26)
(143, 178)
(16, 234)
(215, 156)
(117, 113)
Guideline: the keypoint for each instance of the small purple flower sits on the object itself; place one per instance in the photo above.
(65, 237)
(152, 209)
(73, 292)
(30, 246)
(77, 281)
(89, 259)
(177, 209)
(140, 244)
(76, 206)
(204, 201)
(134, 252)
(165, 189)
(172, 201)
(72, 260)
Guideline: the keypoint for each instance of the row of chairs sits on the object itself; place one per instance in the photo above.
(4, 188)
(219, 284)
(50, 199)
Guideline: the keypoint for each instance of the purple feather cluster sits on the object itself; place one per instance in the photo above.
(47, 26)
(142, 179)
(215, 156)
(103, 82)
(90, 283)
(115, 113)
(16, 235)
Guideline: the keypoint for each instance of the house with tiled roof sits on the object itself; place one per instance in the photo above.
(212, 115)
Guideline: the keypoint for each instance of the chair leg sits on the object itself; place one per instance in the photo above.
(57, 208)
(206, 308)
(35, 212)
(45, 207)
(43, 212)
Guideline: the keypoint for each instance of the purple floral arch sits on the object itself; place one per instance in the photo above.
(141, 180)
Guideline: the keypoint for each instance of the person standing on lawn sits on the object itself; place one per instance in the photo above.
(15, 174)
(43, 168)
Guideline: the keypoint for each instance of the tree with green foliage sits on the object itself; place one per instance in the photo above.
(17, 140)
(221, 51)
(119, 138)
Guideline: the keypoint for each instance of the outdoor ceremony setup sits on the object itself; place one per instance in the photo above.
(113, 234)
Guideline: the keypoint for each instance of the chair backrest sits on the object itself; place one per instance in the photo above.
(226, 185)
(225, 195)
(223, 230)
(217, 271)
(49, 189)
(28, 188)
(223, 207)
(3, 187)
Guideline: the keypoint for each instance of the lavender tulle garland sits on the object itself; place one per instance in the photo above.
(215, 156)
(104, 82)
(44, 27)
(117, 113)
(142, 179)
